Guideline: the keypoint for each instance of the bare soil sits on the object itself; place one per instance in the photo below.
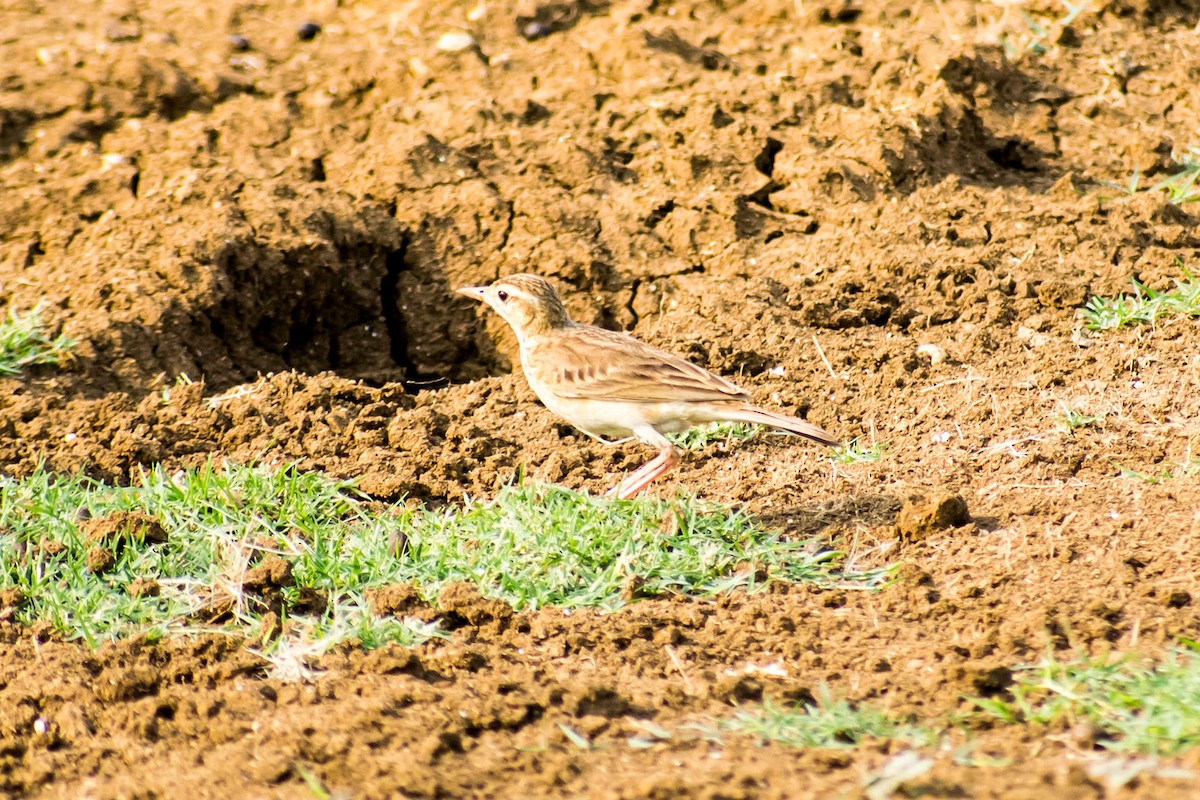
(870, 214)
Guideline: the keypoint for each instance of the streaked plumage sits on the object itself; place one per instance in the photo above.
(609, 384)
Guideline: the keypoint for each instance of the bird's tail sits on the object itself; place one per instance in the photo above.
(758, 416)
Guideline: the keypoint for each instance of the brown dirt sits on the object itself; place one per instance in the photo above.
(759, 186)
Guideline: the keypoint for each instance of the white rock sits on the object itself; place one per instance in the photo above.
(934, 353)
(455, 41)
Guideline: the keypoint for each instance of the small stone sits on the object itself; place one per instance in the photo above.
(535, 30)
(455, 41)
(308, 31)
(934, 353)
(123, 32)
(239, 43)
(397, 543)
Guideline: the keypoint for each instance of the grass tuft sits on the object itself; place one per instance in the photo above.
(1073, 419)
(1039, 33)
(538, 545)
(532, 546)
(1145, 305)
(856, 453)
(1134, 707)
(701, 437)
(1189, 467)
(218, 525)
(23, 343)
(1180, 186)
(829, 723)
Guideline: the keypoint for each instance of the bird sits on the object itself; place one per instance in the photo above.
(610, 385)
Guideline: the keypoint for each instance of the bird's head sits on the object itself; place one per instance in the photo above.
(526, 302)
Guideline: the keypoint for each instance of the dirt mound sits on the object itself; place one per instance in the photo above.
(885, 218)
(489, 708)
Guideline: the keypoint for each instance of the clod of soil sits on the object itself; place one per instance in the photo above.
(100, 560)
(398, 600)
(120, 528)
(273, 573)
(144, 587)
(10, 601)
(463, 604)
(922, 516)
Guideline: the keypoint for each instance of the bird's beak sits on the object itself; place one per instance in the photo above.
(473, 292)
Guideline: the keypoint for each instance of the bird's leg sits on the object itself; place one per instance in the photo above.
(666, 460)
(602, 440)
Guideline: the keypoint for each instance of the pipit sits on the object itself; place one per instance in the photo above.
(609, 384)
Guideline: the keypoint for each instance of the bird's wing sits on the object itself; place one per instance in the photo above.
(595, 364)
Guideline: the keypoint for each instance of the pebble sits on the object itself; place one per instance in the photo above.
(935, 354)
(536, 30)
(308, 31)
(1031, 336)
(455, 41)
(123, 32)
(240, 43)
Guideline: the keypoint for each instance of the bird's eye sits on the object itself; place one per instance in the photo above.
(503, 295)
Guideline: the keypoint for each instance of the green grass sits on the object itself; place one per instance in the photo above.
(314, 784)
(1145, 305)
(856, 453)
(1187, 468)
(1074, 420)
(1180, 186)
(829, 723)
(217, 522)
(537, 545)
(1040, 32)
(1135, 707)
(701, 437)
(23, 343)
(532, 546)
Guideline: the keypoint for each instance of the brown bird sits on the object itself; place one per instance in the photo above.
(609, 384)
